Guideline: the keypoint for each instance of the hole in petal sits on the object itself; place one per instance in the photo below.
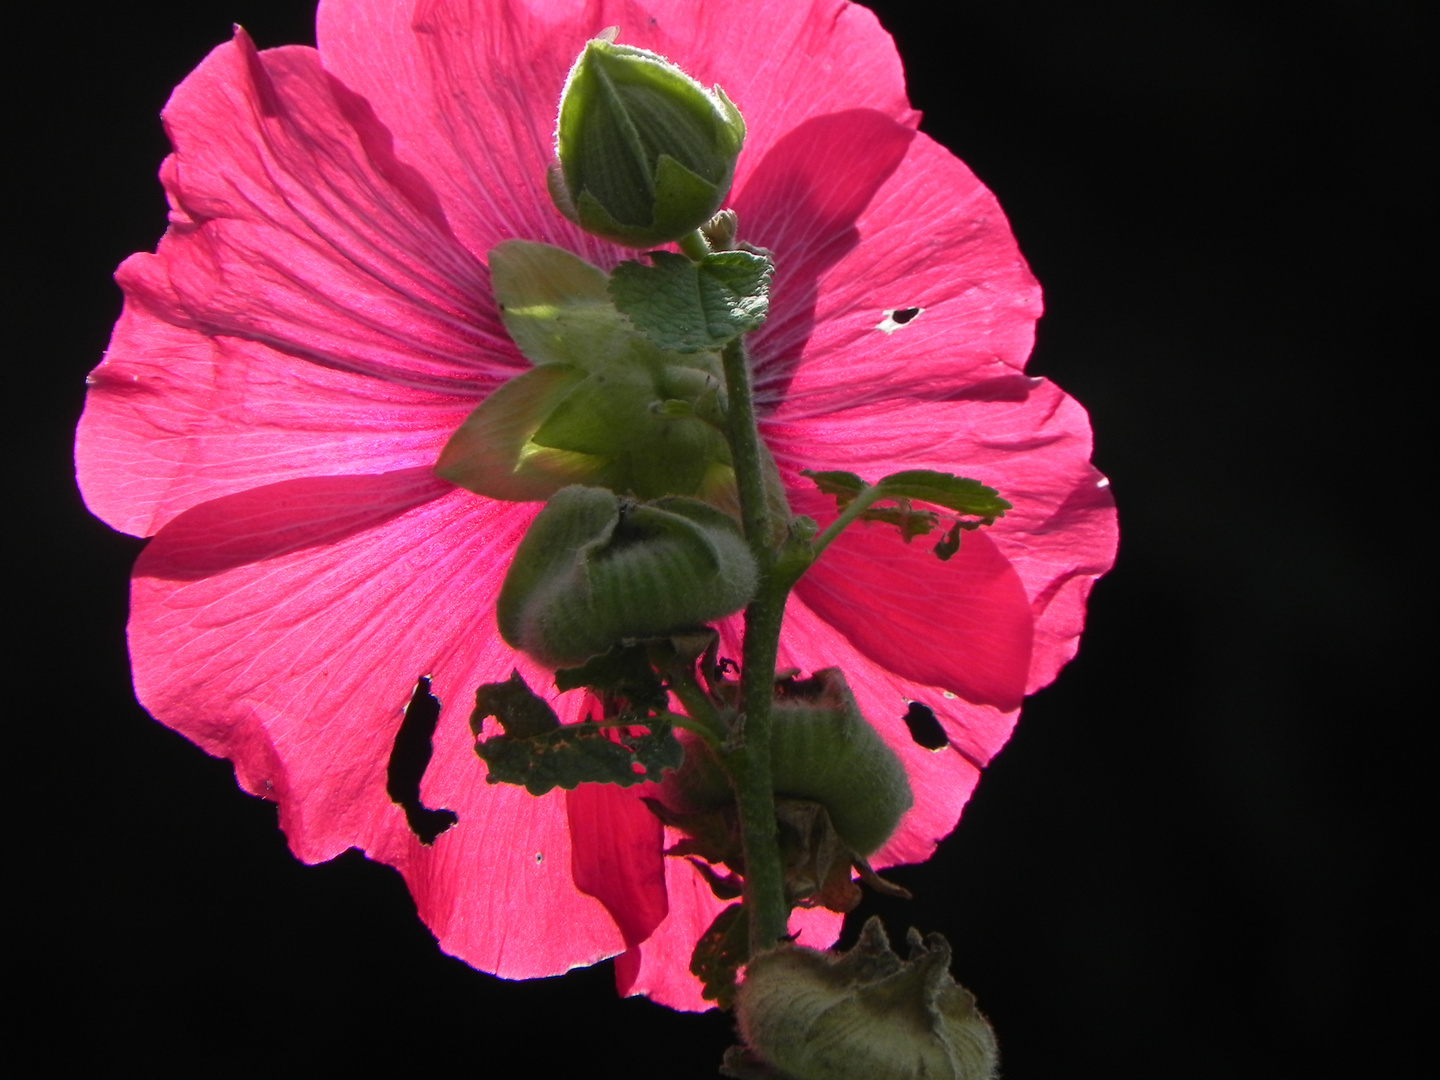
(924, 728)
(409, 758)
(895, 318)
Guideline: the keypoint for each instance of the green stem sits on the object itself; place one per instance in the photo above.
(694, 245)
(705, 718)
(749, 763)
(857, 506)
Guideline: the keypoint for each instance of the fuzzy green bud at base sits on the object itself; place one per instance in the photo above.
(645, 153)
(822, 750)
(594, 570)
(861, 1015)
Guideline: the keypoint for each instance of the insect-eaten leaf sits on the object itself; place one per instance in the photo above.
(690, 307)
(892, 502)
(720, 953)
(622, 672)
(540, 753)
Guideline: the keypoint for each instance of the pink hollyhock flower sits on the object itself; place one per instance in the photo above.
(317, 321)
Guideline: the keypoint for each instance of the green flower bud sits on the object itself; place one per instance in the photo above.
(594, 569)
(821, 750)
(645, 153)
(861, 1015)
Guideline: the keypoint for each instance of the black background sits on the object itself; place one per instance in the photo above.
(1202, 854)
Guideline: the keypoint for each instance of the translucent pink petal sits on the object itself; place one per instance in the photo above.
(285, 627)
(617, 856)
(470, 90)
(174, 418)
(1022, 436)
(932, 237)
(294, 224)
(964, 625)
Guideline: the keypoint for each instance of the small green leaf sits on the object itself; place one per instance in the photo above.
(625, 672)
(521, 712)
(910, 522)
(843, 485)
(720, 953)
(957, 493)
(540, 754)
(689, 307)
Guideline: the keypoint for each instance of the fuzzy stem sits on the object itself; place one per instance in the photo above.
(694, 245)
(749, 762)
(853, 510)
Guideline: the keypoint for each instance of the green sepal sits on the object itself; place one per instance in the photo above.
(720, 954)
(540, 753)
(689, 307)
(603, 406)
(494, 453)
(612, 416)
(556, 306)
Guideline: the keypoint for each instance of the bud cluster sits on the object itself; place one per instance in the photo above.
(636, 426)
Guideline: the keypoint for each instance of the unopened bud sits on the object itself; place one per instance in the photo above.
(821, 750)
(594, 570)
(646, 154)
(861, 1015)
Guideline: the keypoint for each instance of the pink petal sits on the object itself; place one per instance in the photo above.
(617, 856)
(1022, 436)
(285, 628)
(174, 418)
(470, 91)
(964, 625)
(796, 202)
(932, 237)
(293, 224)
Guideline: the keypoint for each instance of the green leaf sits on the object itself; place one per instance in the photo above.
(720, 953)
(910, 522)
(625, 672)
(843, 485)
(540, 754)
(521, 712)
(689, 307)
(957, 493)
